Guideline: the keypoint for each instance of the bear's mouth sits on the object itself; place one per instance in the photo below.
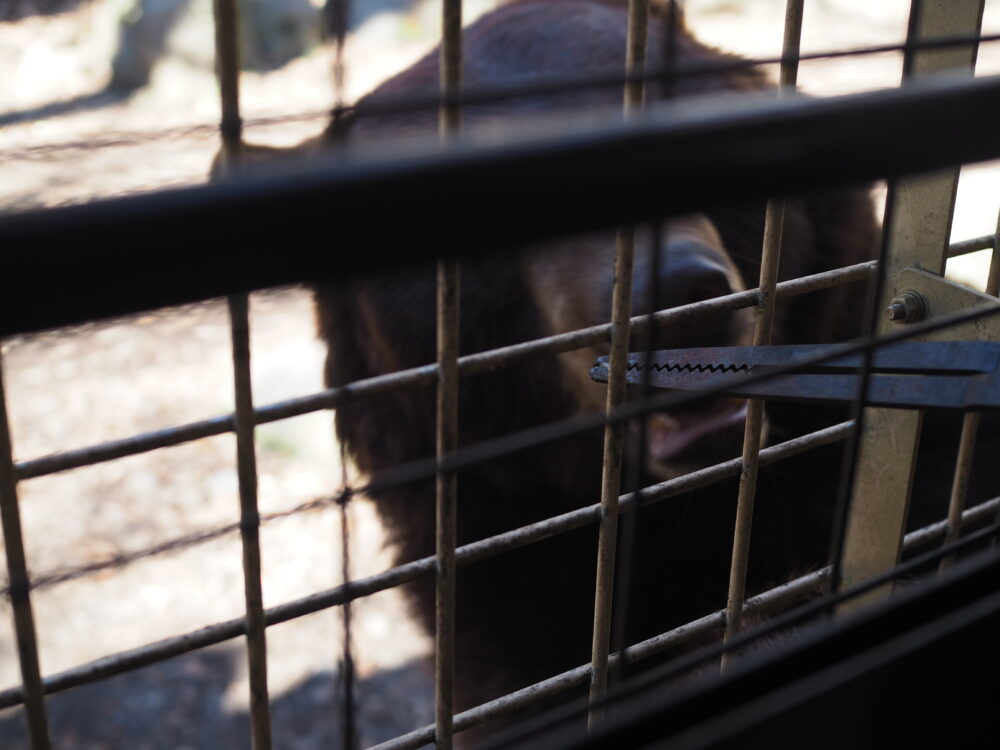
(696, 437)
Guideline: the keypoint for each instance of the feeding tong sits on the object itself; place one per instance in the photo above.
(922, 375)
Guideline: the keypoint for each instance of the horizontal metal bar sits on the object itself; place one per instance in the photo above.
(223, 631)
(964, 247)
(678, 158)
(423, 376)
(936, 532)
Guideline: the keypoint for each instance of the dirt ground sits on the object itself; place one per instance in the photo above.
(64, 140)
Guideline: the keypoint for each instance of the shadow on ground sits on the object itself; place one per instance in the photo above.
(178, 704)
(95, 100)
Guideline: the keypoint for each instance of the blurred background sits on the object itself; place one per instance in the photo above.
(110, 97)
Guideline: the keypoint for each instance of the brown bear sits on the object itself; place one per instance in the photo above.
(527, 615)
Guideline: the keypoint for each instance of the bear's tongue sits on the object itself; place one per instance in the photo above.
(671, 434)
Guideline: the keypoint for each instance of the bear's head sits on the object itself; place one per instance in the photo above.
(571, 283)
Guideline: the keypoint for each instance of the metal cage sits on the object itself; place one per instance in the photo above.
(718, 153)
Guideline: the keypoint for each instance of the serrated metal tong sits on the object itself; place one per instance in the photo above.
(921, 375)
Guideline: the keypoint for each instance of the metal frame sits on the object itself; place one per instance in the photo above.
(921, 207)
(719, 155)
(701, 146)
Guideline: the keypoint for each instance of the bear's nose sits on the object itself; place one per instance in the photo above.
(690, 273)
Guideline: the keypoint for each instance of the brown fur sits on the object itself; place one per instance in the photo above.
(527, 615)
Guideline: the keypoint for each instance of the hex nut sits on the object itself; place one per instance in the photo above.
(908, 307)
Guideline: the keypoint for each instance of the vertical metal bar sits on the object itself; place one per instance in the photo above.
(637, 470)
(20, 599)
(770, 256)
(337, 16)
(614, 434)
(448, 326)
(960, 483)
(993, 279)
(227, 61)
(922, 209)
(338, 13)
(447, 491)
(672, 24)
(451, 65)
(246, 466)
(967, 443)
(349, 730)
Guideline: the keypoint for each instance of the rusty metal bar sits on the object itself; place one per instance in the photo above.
(774, 222)
(427, 375)
(151, 653)
(922, 209)
(451, 66)
(752, 435)
(227, 63)
(20, 598)
(337, 13)
(447, 497)
(935, 532)
(448, 326)
(964, 247)
(970, 428)
(960, 481)
(246, 467)
(614, 434)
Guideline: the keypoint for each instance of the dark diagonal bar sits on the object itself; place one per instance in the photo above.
(673, 160)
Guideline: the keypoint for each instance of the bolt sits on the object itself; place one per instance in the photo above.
(908, 307)
(896, 311)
